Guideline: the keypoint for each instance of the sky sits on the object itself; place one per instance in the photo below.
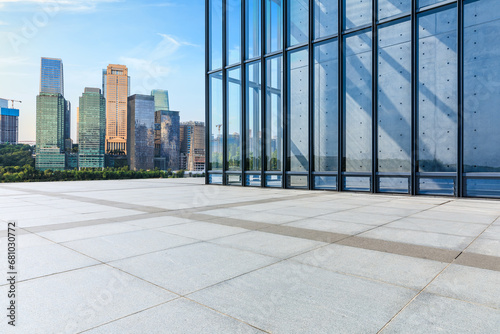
(161, 43)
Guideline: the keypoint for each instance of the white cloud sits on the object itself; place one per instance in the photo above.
(3, 23)
(61, 5)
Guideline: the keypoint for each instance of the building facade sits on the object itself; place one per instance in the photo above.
(116, 89)
(91, 129)
(161, 99)
(51, 76)
(192, 155)
(9, 123)
(141, 132)
(378, 96)
(167, 138)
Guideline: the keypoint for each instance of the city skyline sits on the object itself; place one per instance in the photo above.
(164, 50)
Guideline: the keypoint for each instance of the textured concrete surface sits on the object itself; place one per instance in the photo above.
(176, 256)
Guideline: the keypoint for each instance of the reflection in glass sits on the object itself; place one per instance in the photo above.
(358, 102)
(423, 3)
(298, 112)
(215, 34)
(274, 113)
(437, 91)
(253, 115)
(215, 95)
(394, 98)
(388, 8)
(325, 18)
(357, 13)
(436, 186)
(253, 32)
(233, 31)
(482, 86)
(298, 22)
(326, 107)
(234, 119)
(274, 24)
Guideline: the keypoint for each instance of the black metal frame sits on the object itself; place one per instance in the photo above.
(412, 16)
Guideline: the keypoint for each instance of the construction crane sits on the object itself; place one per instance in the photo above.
(12, 101)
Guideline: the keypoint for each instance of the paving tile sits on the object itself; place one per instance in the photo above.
(439, 226)
(360, 217)
(268, 244)
(268, 217)
(202, 231)
(330, 225)
(180, 316)
(289, 297)
(120, 246)
(193, 267)
(485, 246)
(158, 222)
(81, 299)
(88, 232)
(492, 232)
(430, 239)
(429, 313)
(452, 215)
(469, 284)
(391, 268)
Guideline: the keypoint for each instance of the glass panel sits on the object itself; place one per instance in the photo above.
(233, 32)
(357, 183)
(325, 18)
(357, 13)
(358, 102)
(215, 112)
(483, 187)
(253, 180)
(394, 98)
(274, 181)
(326, 107)
(297, 181)
(215, 34)
(274, 24)
(298, 22)
(482, 86)
(234, 179)
(274, 114)
(234, 119)
(423, 3)
(394, 185)
(436, 186)
(253, 115)
(298, 112)
(215, 179)
(388, 8)
(437, 91)
(325, 182)
(253, 32)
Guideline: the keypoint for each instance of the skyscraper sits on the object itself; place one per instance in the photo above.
(9, 123)
(192, 146)
(52, 117)
(167, 137)
(52, 78)
(91, 129)
(116, 86)
(140, 132)
(161, 99)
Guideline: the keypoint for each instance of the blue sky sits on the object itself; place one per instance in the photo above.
(161, 42)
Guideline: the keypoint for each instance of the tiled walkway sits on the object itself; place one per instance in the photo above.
(176, 256)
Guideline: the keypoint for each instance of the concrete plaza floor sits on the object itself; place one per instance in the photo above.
(176, 256)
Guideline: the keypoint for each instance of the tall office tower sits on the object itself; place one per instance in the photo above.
(50, 130)
(192, 152)
(52, 78)
(167, 141)
(140, 132)
(161, 99)
(9, 123)
(91, 129)
(116, 88)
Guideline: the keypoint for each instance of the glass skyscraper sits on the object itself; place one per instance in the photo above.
(91, 129)
(141, 132)
(161, 99)
(354, 95)
(167, 137)
(52, 76)
(9, 123)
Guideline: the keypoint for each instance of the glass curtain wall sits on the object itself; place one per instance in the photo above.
(334, 97)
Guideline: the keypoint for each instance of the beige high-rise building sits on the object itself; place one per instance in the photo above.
(116, 89)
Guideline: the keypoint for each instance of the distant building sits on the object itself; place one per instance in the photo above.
(192, 150)
(9, 123)
(161, 99)
(167, 138)
(51, 76)
(140, 132)
(116, 89)
(91, 129)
